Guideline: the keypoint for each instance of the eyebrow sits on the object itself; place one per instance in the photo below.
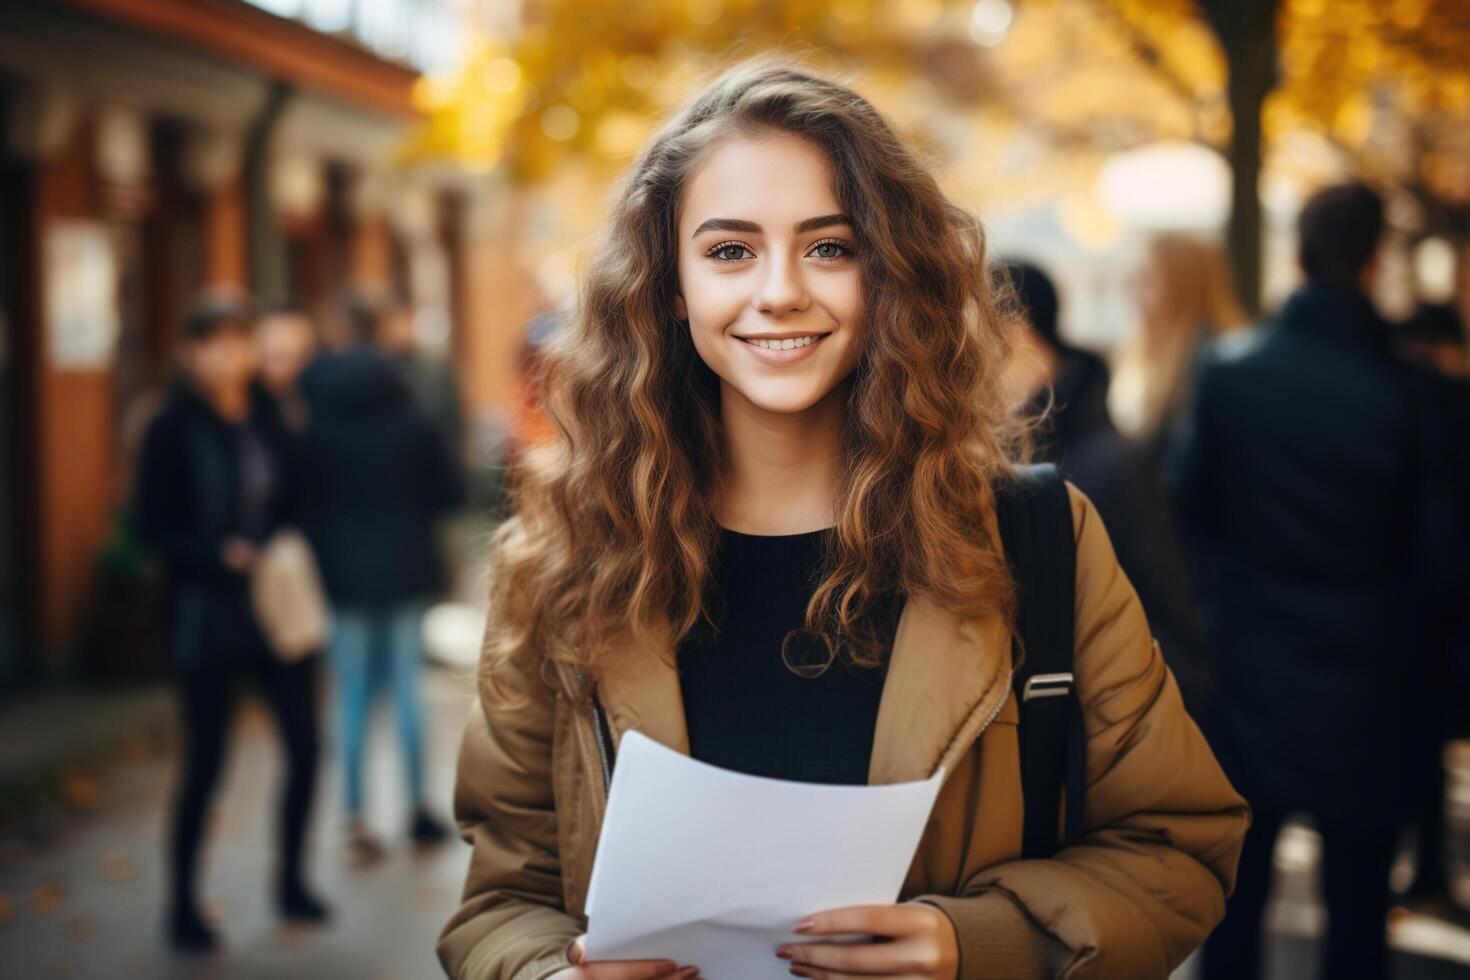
(738, 224)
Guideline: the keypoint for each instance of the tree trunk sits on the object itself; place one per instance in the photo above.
(1246, 30)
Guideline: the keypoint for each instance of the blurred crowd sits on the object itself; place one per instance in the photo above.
(340, 432)
(1290, 501)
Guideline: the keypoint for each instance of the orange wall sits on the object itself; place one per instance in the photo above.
(225, 241)
(371, 257)
(76, 448)
(499, 300)
(74, 426)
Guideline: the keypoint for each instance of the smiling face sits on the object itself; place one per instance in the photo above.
(765, 262)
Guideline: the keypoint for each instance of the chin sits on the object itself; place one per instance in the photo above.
(782, 399)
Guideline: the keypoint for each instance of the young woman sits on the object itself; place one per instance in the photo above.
(765, 536)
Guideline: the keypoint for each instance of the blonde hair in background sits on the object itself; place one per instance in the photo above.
(1193, 301)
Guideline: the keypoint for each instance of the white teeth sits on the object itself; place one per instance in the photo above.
(784, 344)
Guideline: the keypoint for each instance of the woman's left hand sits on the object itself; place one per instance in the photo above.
(921, 944)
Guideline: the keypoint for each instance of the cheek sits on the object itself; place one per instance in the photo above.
(849, 298)
(713, 302)
(841, 295)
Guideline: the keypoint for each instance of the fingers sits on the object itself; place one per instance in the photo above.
(877, 920)
(866, 959)
(626, 969)
(910, 942)
(816, 973)
(636, 970)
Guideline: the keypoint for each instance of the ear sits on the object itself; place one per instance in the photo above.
(681, 310)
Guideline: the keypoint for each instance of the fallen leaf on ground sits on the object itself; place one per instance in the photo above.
(47, 897)
(79, 927)
(118, 867)
(83, 792)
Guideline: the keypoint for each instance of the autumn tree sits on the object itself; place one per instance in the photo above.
(1386, 82)
(585, 79)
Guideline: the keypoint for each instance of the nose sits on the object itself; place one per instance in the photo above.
(781, 291)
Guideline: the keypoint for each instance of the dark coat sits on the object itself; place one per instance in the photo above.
(190, 500)
(1300, 483)
(379, 478)
(1123, 482)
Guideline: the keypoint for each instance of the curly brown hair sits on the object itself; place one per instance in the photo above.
(611, 535)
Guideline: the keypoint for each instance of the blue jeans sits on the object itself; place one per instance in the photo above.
(370, 646)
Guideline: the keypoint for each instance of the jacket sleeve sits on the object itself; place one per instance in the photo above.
(510, 924)
(163, 505)
(1163, 829)
(1151, 552)
(1192, 457)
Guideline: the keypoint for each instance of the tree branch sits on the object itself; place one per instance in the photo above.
(1152, 58)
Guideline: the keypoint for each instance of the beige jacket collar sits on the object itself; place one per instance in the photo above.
(947, 679)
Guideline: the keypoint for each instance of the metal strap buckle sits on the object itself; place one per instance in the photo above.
(1047, 686)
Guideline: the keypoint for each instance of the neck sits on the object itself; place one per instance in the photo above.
(781, 469)
(229, 403)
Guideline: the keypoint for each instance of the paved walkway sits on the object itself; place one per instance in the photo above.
(86, 902)
(82, 898)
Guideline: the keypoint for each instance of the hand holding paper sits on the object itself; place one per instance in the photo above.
(702, 865)
(920, 942)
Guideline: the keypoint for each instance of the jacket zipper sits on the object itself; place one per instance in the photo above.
(598, 723)
(602, 753)
(999, 705)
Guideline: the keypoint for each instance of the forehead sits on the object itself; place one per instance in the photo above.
(774, 179)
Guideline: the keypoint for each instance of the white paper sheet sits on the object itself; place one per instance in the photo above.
(702, 865)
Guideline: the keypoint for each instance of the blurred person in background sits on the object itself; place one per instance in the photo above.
(380, 478)
(1184, 301)
(285, 341)
(1066, 388)
(212, 487)
(1434, 337)
(1300, 477)
(429, 376)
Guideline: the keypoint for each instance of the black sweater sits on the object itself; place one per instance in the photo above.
(745, 709)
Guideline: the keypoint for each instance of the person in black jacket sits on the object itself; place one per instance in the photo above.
(212, 488)
(1120, 477)
(1299, 481)
(381, 478)
(1434, 337)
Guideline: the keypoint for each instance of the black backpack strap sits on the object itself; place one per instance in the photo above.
(1035, 518)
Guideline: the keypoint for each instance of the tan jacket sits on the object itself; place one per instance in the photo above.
(1141, 891)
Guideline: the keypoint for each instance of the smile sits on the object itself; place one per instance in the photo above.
(784, 344)
(782, 350)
